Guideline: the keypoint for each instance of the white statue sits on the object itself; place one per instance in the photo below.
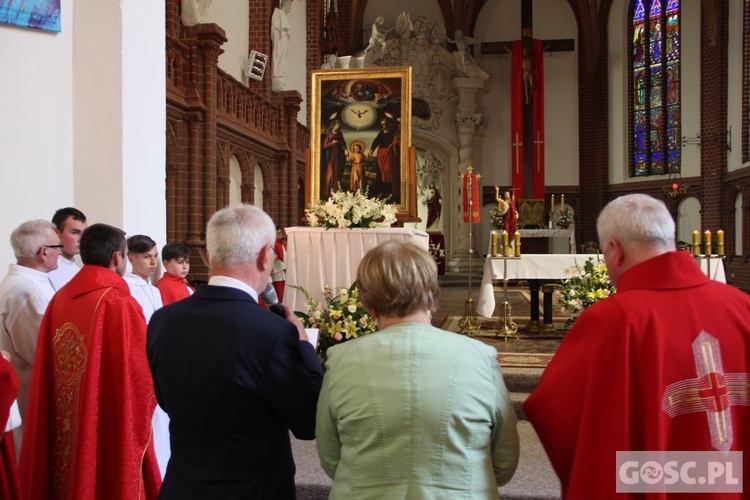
(464, 63)
(404, 26)
(377, 37)
(280, 35)
(195, 11)
(330, 62)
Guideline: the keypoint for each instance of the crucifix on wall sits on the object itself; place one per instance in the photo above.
(527, 103)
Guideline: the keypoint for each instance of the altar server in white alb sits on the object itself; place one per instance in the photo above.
(70, 223)
(144, 259)
(25, 293)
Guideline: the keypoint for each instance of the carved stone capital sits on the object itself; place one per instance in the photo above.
(467, 122)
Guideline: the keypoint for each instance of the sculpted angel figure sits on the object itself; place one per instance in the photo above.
(404, 26)
(377, 37)
(464, 62)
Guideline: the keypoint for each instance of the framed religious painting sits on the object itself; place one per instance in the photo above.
(360, 136)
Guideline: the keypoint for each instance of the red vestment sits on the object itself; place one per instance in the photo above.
(87, 433)
(604, 390)
(173, 288)
(9, 484)
(279, 284)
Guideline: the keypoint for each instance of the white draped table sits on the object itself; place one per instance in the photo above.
(316, 257)
(545, 267)
(567, 233)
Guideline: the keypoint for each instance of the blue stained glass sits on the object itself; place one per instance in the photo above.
(655, 10)
(640, 11)
(655, 114)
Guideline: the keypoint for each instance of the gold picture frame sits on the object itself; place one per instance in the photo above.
(531, 213)
(361, 134)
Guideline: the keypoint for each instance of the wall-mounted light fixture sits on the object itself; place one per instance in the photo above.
(697, 139)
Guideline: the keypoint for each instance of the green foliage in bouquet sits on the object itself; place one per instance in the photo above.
(339, 319)
(587, 285)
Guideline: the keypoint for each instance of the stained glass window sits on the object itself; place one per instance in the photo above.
(655, 82)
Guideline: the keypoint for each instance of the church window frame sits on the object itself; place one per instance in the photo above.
(654, 69)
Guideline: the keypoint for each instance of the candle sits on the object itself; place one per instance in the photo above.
(696, 243)
(518, 244)
(720, 242)
(707, 242)
(506, 248)
(552, 204)
(494, 243)
(562, 202)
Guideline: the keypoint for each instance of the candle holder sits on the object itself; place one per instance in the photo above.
(699, 259)
(469, 324)
(509, 327)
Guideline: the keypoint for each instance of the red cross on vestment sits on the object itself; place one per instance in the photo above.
(713, 392)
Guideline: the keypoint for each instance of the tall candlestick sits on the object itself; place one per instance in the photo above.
(562, 203)
(707, 242)
(494, 243)
(696, 243)
(518, 244)
(720, 242)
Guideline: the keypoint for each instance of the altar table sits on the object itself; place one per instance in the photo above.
(567, 233)
(547, 267)
(317, 256)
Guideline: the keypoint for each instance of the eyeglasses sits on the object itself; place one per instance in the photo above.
(58, 247)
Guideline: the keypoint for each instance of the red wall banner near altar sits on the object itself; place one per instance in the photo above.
(517, 107)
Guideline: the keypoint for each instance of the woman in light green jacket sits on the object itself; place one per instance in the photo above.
(412, 411)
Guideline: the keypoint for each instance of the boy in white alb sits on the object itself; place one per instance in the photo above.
(144, 258)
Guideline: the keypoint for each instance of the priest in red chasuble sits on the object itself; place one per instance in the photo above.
(88, 423)
(661, 365)
(9, 384)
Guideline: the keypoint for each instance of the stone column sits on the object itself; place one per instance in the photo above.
(467, 119)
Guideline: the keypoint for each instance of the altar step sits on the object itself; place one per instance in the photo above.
(459, 264)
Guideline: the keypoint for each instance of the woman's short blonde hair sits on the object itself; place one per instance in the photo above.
(398, 278)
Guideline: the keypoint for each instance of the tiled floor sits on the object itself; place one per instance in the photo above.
(453, 303)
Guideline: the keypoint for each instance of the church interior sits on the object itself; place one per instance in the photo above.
(152, 124)
(148, 116)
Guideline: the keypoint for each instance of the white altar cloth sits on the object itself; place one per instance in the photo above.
(550, 267)
(317, 256)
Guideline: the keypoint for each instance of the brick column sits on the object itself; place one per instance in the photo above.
(292, 101)
(714, 93)
(593, 122)
(210, 38)
(195, 182)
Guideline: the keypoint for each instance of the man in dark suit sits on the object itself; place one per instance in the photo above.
(234, 377)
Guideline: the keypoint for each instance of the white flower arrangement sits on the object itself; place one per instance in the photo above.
(344, 209)
(587, 284)
(341, 318)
